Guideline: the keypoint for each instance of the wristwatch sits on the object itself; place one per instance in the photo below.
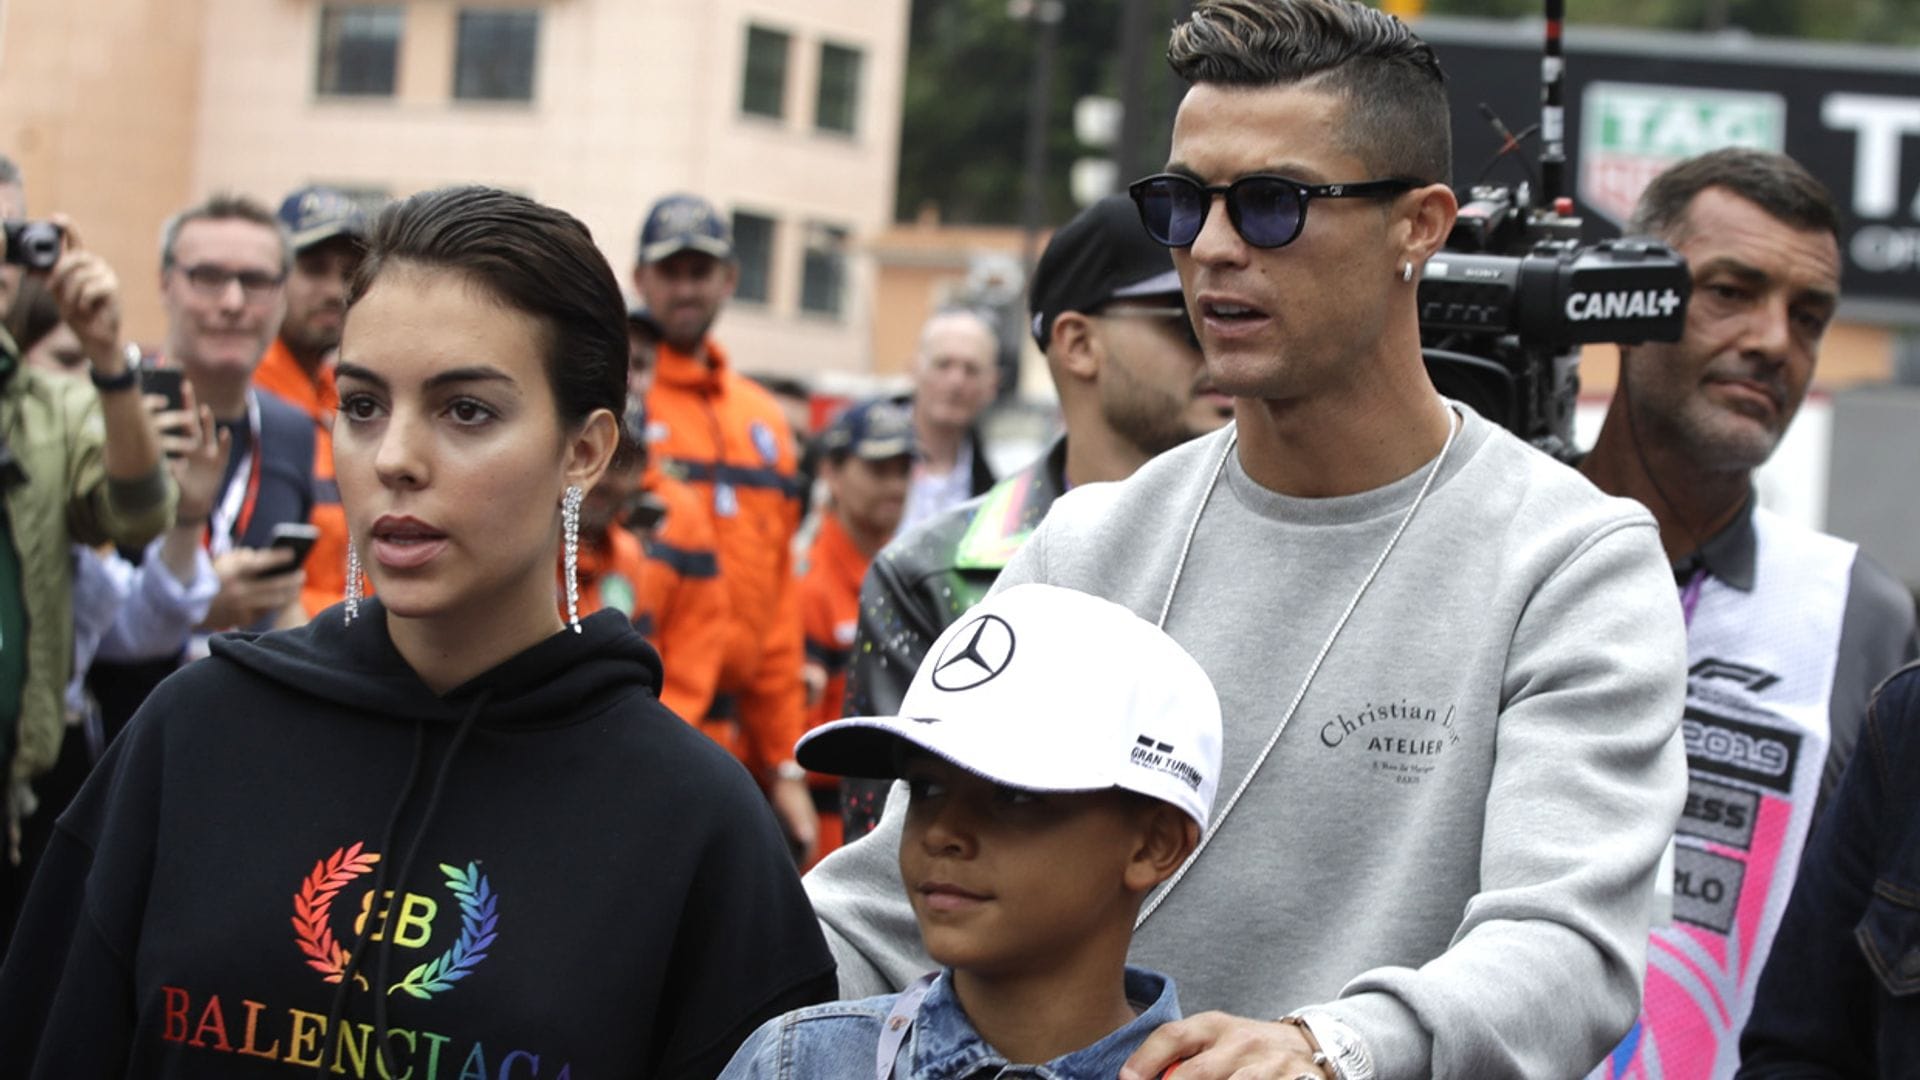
(1342, 1051)
(128, 378)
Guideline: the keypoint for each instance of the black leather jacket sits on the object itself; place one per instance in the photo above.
(923, 581)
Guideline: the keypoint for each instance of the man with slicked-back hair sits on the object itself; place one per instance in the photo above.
(1450, 669)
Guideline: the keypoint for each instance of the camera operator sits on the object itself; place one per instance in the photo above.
(1788, 630)
(79, 464)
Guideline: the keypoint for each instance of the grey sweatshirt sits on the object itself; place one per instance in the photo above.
(1453, 845)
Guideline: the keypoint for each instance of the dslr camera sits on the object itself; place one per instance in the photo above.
(33, 244)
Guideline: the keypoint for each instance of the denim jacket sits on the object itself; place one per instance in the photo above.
(1840, 996)
(840, 1040)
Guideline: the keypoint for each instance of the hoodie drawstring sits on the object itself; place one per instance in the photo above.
(406, 866)
(338, 1009)
(382, 966)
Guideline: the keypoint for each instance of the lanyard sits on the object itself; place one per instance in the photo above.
(893, 1034)
(229, 520)
(1690, 596)
(1455, 422)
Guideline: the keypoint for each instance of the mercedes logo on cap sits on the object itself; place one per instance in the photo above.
(978, 653)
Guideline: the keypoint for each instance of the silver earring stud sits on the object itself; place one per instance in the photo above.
(1406, 271)
(570, 527)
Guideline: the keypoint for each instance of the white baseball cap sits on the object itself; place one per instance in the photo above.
(1047, 689)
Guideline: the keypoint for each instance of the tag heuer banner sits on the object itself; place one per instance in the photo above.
(1638, 101)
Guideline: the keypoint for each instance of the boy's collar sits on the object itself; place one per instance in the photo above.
(945, 1043)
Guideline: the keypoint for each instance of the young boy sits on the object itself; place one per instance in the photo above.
(1061, 756)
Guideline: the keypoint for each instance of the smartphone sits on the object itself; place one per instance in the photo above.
(297, 537)
(645, 513)
(165, 381)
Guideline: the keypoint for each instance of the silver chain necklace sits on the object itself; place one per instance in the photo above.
(1219, 820)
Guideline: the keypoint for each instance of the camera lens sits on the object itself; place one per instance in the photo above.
(40, 245)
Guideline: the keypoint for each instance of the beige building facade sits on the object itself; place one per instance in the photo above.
(784, 113)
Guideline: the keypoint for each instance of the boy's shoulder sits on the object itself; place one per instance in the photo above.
(837, 1038)
(874, 1009)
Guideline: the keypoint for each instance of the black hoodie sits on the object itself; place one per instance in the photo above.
(572, 881)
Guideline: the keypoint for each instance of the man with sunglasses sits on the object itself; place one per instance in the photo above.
(1450, 669)
(1107, 312)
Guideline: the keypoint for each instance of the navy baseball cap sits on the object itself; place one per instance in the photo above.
(1103, 254)
(316, 214)
(680, 223)
(872, 430)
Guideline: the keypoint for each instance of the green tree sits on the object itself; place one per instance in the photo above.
(969, 72)
(970, 65)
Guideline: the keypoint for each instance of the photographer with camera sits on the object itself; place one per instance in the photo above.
(80, 464)
(1450, 670)
(1788, 630)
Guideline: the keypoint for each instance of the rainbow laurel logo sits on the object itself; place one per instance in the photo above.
(313, 922)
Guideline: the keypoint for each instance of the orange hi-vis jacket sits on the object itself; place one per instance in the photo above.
(830, 614)
(669, 584)
(282, 376)
(719, 433)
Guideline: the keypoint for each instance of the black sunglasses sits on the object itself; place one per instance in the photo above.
(1268, 211)
(1174, 313)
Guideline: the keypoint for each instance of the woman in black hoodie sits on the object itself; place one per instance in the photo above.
(444, 833)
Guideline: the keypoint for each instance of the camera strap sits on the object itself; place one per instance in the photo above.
(1454, 424)
(230, 517)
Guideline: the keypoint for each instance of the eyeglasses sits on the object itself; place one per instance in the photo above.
(210, 280)
(1268, 211)
(1175, 313)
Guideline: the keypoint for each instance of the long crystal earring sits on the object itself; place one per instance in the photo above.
(353, 580)
(570, 526)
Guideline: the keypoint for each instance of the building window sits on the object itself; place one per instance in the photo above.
(753, 247)
(823, 273)
(494, 58)
(359, 50)
(838, 104)
(763, 92)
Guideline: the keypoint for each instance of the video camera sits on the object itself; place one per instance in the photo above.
(1506, 303)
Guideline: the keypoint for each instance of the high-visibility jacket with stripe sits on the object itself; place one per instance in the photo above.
(668, 583)
(719, 433)
(282, 376)
(830, 616)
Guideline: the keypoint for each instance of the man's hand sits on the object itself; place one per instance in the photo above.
(793, 805)
(196, 450)
(88, 294)
(247, 593)
(813, 677)
(1215, 1046)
